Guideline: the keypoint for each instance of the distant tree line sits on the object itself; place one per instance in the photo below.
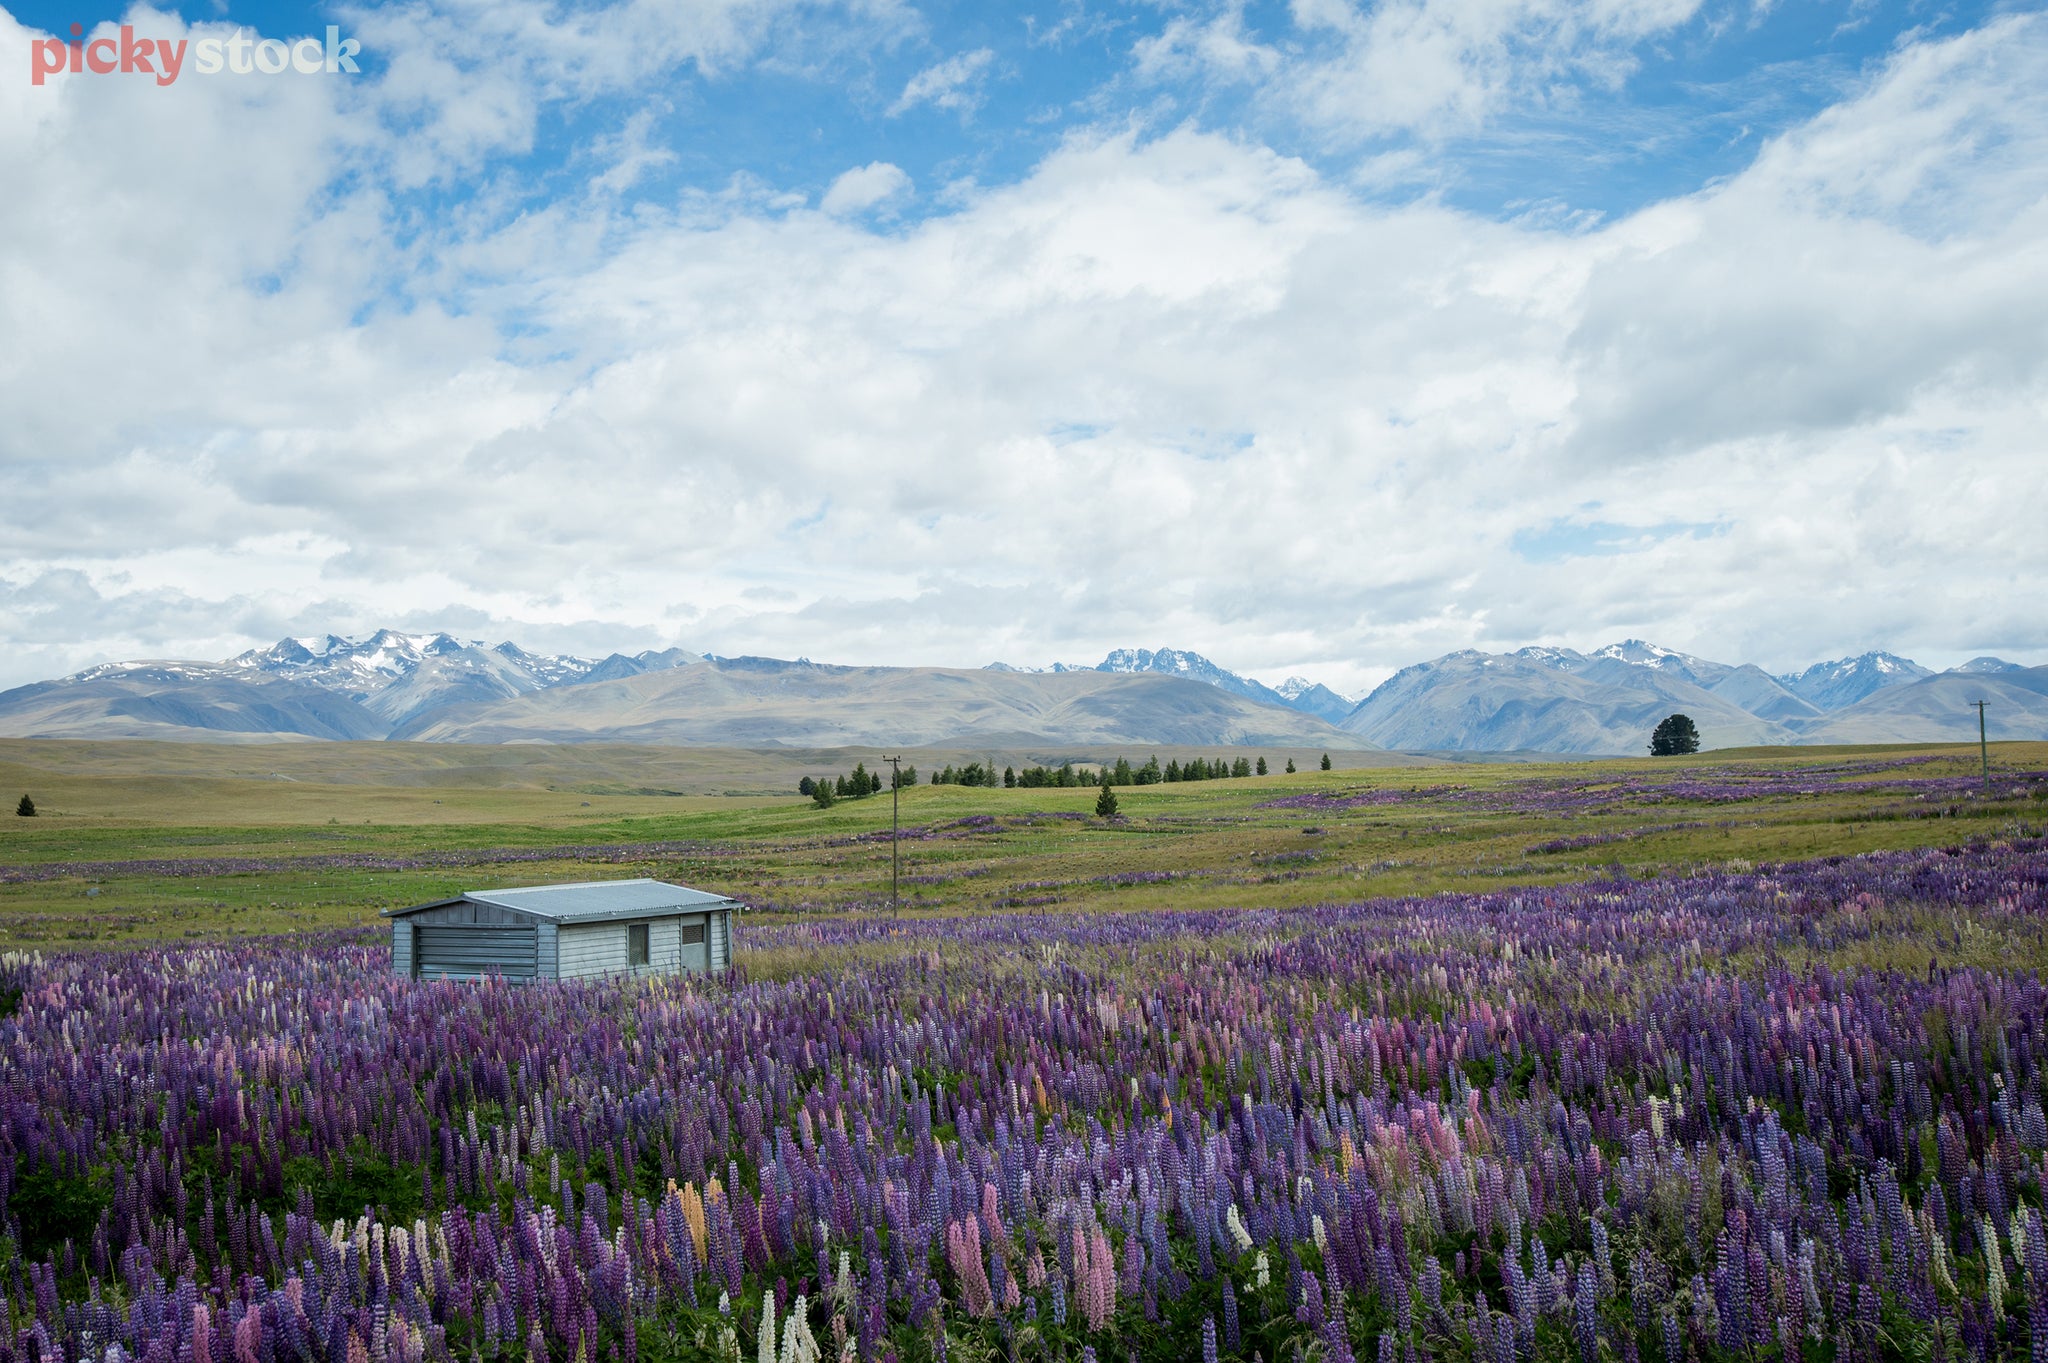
(1118, 773)
(1031, 778)
(1122, 773)
(1195, 769)
(860, 783)
(857, 784)
(973, 774)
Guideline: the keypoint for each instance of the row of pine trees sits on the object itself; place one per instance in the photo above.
(861, 783)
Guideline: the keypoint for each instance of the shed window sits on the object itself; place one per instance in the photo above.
(693, 934)
(636, 944)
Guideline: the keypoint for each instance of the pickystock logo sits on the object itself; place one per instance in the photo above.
(164, 61)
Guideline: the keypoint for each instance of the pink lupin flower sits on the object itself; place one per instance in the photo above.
(963, 1251)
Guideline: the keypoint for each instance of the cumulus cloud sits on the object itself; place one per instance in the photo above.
(1166, 388)
(864, 187)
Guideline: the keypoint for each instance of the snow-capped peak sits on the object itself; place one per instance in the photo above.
(1169, 660)
(1986, 666)
(1563, 659)
(390, 660)
(1844, 681)
(1642, 654)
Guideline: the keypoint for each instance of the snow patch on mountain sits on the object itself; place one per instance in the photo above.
(397, 674)
(1841, 682)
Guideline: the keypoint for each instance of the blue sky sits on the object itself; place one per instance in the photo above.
(1656, 115)
(1301, 335)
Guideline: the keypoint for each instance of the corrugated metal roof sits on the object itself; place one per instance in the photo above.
(590, 901)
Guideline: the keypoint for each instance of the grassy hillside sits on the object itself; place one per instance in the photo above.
(123, 782)
(142, 841)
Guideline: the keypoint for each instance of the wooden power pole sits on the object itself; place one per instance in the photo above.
(1983, 746)
(895, 825)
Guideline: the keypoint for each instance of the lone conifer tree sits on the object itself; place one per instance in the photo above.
(1105, 803)
(1326, 761)
(26, 809)
(1675, 736)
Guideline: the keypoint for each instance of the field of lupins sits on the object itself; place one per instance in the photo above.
(1789, 1112)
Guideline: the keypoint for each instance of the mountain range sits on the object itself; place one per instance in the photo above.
(436, 688)
(1606, 701)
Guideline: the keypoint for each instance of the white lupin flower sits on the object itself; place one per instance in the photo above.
(798, 1344)
(1942, 1278)
(1994, 1270)
(1234, 1223)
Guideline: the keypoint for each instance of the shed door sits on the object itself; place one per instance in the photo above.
(472, 953)
(695, 953)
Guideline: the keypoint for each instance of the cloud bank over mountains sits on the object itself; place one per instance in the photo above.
(1239, 349)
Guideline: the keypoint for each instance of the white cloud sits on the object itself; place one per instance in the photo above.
(631, 154)
(864, 187)
(1168, 389)
(1952, 137)
(464, 79)
(954, 83)
(1431, 68)
(1217, 46)
(1867, 261)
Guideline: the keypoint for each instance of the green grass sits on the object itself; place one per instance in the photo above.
(157, 803)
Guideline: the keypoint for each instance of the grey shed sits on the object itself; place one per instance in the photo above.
(565, 932)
